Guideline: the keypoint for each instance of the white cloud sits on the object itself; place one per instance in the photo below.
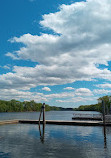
(5, 66)
(69, 88)
(83, 92)
(83, 43)
(105, 85)
(64, 97)
(101, 91)
(46, 89)
(60, 95)
(8, 94)
(77, 99)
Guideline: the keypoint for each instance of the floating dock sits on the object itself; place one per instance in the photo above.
(9, 122)
(57, 122)
(92, 117)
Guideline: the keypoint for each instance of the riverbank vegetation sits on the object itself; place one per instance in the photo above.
(96, 107)
(17, 106)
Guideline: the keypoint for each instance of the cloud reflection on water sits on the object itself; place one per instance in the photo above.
(59, 141)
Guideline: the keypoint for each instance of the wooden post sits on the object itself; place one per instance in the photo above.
(105, 140)
(103, 106)
(43, 106)
(40, 116)
(107, 111)
(43, 131)
(42, 134)
(110, 109)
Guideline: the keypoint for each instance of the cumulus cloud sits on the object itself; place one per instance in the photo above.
(30, 77)
(5, 66)
(46, 89)
(8, 94)
(80, 42)
(83, 42)
(76, 99)
(101, 91)
(60, 95)
(83, 92)
(68, 97)
(105, 85)
(69, 88)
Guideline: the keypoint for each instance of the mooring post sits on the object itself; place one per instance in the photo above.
(107, 111)
(110, 109)
(103, 106)
(105, 140)
(43, 106)
(40, 115)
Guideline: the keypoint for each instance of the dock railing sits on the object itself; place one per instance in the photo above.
(94, 116)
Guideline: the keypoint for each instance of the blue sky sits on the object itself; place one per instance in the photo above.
(53, 51)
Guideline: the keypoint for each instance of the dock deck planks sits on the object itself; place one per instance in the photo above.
(56, 122)
(9, 122)
(60, 122)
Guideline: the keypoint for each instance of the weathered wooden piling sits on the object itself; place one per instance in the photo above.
(42, 110)
(103, 106)
(43, 107)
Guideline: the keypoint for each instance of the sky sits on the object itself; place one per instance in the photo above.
(55, 51)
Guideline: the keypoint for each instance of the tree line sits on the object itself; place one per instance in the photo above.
(18, 106)
(98, 106)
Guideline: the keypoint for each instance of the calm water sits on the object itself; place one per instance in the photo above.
(55, 141)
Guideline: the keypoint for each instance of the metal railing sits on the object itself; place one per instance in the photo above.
(75, 115)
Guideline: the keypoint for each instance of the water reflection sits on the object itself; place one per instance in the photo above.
(108, 130)
(4, 155)
(105, 139)
(82, 133)
(53, 141)
(42, 133)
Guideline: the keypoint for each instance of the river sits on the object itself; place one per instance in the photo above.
(55, 141)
